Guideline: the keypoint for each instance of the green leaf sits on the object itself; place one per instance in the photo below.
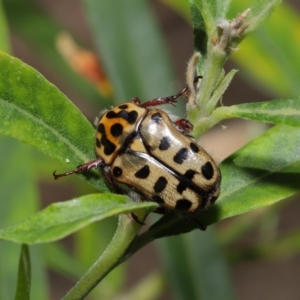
(281, 111)
(194, 256)
(59, 260)
(135, 67)
(211, 11)
(260, 11)
(262, 173)
(181, 7)
(151, 287)
(63, 218)
(17, 170)
(223, 84)
(24, 275)
(39, 30)
(37, 113)
(275, 48)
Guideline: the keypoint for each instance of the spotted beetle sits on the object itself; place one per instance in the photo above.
(144, 153)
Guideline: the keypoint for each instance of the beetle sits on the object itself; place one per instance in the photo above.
(145, 153)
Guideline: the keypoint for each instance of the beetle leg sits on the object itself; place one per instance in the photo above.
(185, 125)
(136, 219)
(200, 225)
(86, 167)
(136, 100)
(168, 100)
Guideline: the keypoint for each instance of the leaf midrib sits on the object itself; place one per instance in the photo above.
(36, 120)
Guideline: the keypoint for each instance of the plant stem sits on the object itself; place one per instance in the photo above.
(111, 257)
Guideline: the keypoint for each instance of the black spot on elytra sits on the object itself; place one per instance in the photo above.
(109, 147)
(189, 174)
(181, 187)
(207, 170)
(98, 143)
(117, 171)
(111, 114)
(181, 155)
(143, 172)
(123, 106)
(158, 199)
(132, 116)
(194, 147)
(123, 114)
(116, 129)
(183, 204)
(160, 184)
(165, 143)
(101, 128)
(157, 118)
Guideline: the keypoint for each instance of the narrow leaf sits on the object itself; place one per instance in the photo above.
(24, 275)
(135, 67)
(196, 256)
(28, 20)
(220, 90)
(260, 10)
(63, 218)
(262, 173)
(281, 111)
(17, 170)
(180, 6)
(37, 113)
(59, 260)
(275, 48)
(150, 287)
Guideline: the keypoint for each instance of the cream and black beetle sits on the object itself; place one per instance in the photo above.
(145, 154)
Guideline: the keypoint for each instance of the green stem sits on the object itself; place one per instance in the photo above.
(220, 114)
(126, 232)
(212, 70)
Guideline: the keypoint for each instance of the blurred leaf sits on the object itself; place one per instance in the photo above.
(88, 235)
(4, 44)
(40, 31)
(281, 111)
(37, 113)
(182, 7)
(275, 49)
(130, 42)
(281, 248)
(17, 170)
(60, 260)
(150, 287)
(196, 267)
(63, 218)
(262, 173)
(260, 11)
(24, 275)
